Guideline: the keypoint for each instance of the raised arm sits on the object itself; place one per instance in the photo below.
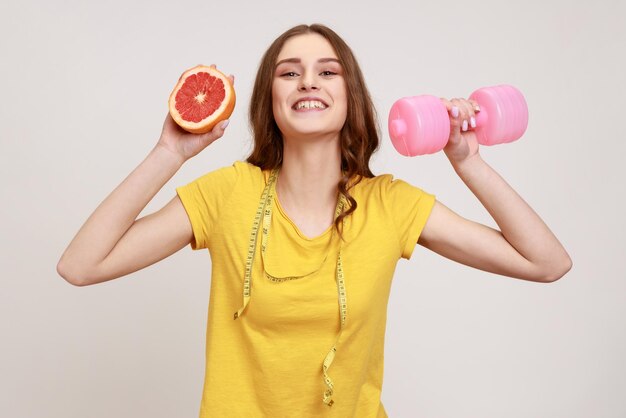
(524, 248)
(112, 242)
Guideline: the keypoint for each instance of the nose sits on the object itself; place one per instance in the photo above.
(307, 82)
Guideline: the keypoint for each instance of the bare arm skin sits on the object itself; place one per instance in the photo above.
(524, 248)
(112, 242)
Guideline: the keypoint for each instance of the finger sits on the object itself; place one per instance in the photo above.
(231, 78)
(217, 130)
(212, 65)
(469, 110)
(459, 122)
(466, 114)
(475, 104)
(220, 128)
(453, 110)
(216, 133)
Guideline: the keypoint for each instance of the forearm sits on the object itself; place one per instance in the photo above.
(116, 214)
(519, 224)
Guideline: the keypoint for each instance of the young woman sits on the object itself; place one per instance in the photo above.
(303, 238)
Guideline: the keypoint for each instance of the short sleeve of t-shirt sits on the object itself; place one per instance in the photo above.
(409, 207)
(203, 199)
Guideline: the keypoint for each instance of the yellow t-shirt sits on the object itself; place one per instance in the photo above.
(268, 362)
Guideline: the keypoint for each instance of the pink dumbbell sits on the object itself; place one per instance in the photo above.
(420, 124)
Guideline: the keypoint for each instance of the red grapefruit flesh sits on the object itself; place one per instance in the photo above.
(202, 97)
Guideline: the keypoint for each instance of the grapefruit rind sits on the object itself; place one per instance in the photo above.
(221, 113)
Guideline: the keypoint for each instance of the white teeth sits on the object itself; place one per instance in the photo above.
(312, 104)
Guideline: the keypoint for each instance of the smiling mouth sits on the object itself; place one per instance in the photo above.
(309, 105)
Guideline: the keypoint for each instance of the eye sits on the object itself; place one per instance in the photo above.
(328, 73)
(289, 74)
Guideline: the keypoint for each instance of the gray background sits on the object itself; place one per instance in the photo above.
(84, 89)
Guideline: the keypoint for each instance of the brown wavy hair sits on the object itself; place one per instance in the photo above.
(359, 136)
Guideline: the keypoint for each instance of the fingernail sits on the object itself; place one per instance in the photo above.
(225, 123)
(464, 125)
(473, 122)
(477, 108)
(455, 111)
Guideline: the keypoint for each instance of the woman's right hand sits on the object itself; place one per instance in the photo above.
(184, 144)
(113, 242)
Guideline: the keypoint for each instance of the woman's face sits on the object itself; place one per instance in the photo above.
(309, 95)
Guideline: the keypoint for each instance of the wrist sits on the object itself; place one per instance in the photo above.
(167, 157)
(468, 164)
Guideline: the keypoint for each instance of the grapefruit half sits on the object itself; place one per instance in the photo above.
(202, 97)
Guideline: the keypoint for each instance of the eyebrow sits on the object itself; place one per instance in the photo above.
(298, 61)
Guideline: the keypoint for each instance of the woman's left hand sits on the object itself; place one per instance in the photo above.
(462, 144)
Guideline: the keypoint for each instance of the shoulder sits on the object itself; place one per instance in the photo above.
(232, 173)
(383, 185)
(244, 167)
(392, 196)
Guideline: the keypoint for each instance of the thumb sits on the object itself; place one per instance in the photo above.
(217, 131)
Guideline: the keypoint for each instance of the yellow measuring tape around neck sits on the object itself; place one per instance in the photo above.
(265, 209)
(267, 220)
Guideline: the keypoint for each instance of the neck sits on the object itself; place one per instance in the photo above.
(309, 175)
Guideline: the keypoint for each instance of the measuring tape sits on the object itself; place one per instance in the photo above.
(265, 209)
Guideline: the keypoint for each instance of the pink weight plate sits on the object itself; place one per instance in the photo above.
(418, 125)
(503, 115)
